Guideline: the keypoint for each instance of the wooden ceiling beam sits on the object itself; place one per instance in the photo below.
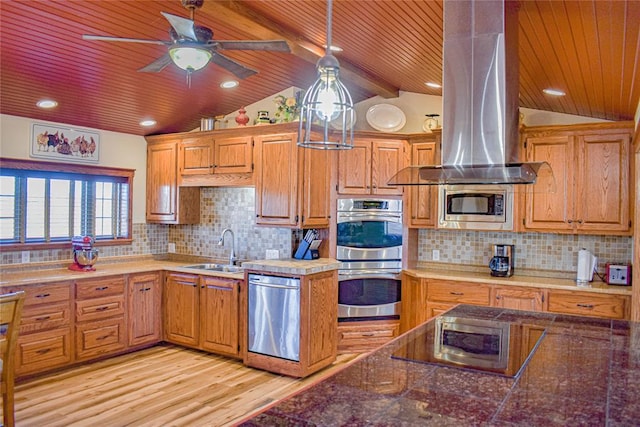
(238, 15)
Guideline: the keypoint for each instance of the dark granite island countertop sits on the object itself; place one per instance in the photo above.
(583, 371)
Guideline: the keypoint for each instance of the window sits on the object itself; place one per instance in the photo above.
(44, 204)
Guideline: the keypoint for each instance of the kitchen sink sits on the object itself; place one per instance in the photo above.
(217, 267)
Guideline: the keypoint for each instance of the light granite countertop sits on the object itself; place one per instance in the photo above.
(28, 274)
(519, 280)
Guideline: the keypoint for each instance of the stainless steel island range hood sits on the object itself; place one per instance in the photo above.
(480, 139)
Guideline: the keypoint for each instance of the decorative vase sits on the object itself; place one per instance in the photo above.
(242, 119)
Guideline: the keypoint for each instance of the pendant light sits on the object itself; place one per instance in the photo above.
(326, 101)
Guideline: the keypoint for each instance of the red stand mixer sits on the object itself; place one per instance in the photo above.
(84, 256)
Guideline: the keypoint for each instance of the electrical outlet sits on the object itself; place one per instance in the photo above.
(171, 248)
(26, 256)
(272, 254)
(435, 255)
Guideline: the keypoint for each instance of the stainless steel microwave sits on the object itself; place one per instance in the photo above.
(480, 207)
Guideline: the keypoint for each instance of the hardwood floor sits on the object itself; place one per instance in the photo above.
(161, 386)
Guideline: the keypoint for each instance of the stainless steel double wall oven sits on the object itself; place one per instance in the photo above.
(369, 246)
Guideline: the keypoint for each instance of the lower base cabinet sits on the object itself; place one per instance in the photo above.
(144, 316)
(202, 312)
(41, 351)
(359, 337)
(424, 298)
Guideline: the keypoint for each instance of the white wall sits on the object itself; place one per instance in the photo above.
(117, 150)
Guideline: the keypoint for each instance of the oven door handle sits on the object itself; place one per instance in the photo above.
(365, 274)
(355, 216)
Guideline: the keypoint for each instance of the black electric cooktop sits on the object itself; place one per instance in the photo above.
(486, 345)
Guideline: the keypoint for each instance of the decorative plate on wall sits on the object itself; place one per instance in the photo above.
(386, 118)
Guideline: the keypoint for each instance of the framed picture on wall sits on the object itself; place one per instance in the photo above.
(53, 142)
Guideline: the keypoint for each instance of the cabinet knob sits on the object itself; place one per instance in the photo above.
(570, 221)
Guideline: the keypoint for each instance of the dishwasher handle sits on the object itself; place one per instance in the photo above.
(273, 285)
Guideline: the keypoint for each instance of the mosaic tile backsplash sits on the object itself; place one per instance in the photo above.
(234, 208)
(537, 251)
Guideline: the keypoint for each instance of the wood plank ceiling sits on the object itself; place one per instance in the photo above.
(588, 48)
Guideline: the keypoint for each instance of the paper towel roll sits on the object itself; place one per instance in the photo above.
(586, 265)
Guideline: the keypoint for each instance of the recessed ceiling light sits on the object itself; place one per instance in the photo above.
(47, 103)
(148, 122)
(554, 92)
(229, 84)
(433, 85)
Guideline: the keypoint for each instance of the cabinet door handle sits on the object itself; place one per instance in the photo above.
(370, 334)
(103, 308)
(570, 221)
(457, 293)
(43, 351)
(102, 288)
(145, 289)
(585, 305)
(43, 318)
(43, 295)
(498, 297)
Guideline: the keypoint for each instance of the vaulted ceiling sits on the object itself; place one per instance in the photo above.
(588, 48)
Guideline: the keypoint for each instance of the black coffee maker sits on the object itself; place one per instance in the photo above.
(502, 263)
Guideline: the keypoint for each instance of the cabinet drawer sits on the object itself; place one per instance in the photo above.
(38, 318)
(365, 336)
(99, 308)
(589, 304)
(100, 288)
(458, 292)
(44, 294)
(100, 338)
(43, 350)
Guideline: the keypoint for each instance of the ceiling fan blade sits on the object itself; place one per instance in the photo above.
(272, 45)
(239, 70)
(183, 26)
(157, 65)
(123, 39)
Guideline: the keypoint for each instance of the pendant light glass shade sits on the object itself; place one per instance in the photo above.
(190, 58)
(327, 101)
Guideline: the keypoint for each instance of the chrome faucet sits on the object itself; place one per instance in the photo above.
(232, 255)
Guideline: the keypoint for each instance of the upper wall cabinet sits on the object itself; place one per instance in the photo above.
(167, 203)
(292, 183)
(213, 155)
(369, 165)
(422, 210)
(591, 170)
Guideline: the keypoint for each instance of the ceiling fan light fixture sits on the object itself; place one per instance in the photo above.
(326, 101)
(434, 85)
(554, 92)
(190, 58)
(148, 122)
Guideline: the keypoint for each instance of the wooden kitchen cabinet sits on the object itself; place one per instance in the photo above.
(318, 328)
(144, 321)
(360, 337)
(203, 312)
(168, 203)
(369, 165)
(589, 304)
(220, 315)
(292, 183)
(422, 199)
(210, 154)
(591, 169)
(100, 309)
(45, 338)
(518, 298)
(182, 309)
(413, 302)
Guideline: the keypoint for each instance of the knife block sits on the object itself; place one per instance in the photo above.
(305, 252)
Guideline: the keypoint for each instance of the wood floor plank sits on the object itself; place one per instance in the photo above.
(164, 385)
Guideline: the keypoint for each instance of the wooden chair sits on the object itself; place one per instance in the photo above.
(10, 314)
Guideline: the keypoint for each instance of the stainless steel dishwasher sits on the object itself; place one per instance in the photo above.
(274, 316)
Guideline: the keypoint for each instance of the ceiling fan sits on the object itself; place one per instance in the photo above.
(192, 46)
